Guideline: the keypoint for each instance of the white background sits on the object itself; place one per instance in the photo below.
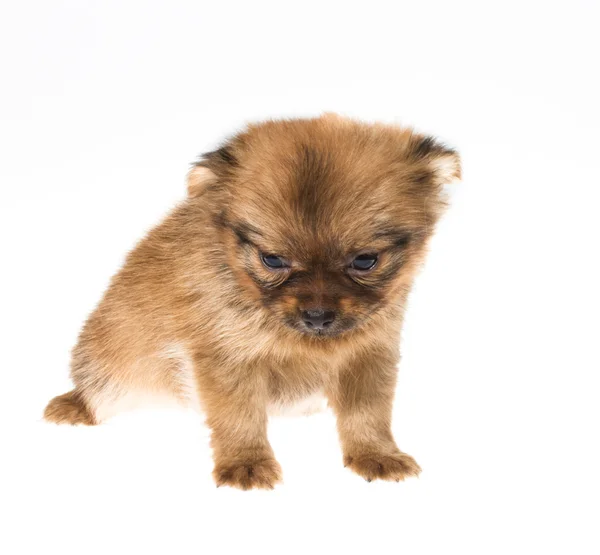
(104, 105)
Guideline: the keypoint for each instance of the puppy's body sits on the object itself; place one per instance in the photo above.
(200, 313)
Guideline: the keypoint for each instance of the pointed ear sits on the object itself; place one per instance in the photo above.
(198, 179)
(443, 162)
(212, 166)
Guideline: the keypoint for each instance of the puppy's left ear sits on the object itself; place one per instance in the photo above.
(443, 162)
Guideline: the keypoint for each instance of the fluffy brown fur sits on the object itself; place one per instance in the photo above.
(195, 312)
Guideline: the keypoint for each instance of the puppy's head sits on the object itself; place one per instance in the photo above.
(324, 220)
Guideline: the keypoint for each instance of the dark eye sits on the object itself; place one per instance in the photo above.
(273, 261)
(364, 262)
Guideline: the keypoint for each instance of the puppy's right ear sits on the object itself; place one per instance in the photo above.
(212, 167)
(198, 179)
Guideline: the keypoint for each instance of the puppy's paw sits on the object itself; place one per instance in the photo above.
(69, 408)
(383, 466)
(261, 474)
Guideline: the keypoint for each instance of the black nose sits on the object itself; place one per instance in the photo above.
(318, 319)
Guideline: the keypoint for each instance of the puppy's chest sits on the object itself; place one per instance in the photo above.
(294, 379)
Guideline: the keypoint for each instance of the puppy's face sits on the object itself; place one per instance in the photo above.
(325, 220)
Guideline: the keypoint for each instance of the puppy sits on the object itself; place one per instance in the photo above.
(282, 275)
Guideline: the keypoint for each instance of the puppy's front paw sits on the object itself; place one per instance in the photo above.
(395, 466)
(261, 474)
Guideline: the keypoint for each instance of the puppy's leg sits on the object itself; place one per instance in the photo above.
(97, 394)
(236, 412)
(90, 403)
(362, 400)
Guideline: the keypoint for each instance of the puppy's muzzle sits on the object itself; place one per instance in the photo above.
(317, 319)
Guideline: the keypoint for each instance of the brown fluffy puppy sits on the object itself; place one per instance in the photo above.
(284, 274)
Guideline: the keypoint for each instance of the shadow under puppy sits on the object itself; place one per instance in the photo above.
(283, 274)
